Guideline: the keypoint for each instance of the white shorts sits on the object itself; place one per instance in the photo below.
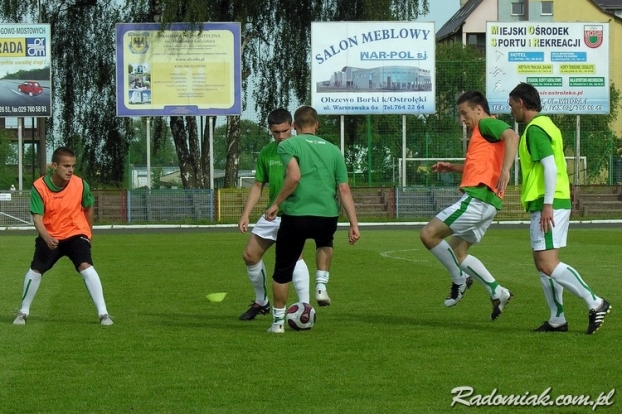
(553, 239)
(468, 218)
(267, 229)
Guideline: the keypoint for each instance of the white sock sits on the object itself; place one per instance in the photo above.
(278, 315)
(553, 293)
(300, 281)
(476, 269)
(322, 276)
(94, 286)
(570, 279)
(32, 280)
(257, 275)
(446, 256)
(321, 279)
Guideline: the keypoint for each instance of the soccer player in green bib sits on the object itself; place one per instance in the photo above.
(545, 194)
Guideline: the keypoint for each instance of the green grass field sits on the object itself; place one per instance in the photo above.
(386, 345)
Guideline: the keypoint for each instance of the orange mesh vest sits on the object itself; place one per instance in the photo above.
(483, 162)
(64, 216)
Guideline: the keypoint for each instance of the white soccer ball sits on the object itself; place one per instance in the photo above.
(300, 316)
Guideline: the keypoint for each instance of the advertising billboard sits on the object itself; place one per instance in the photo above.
(568, 63)
(25, 60)
(373, 68)
(177, 71)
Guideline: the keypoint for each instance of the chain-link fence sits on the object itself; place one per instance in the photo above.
(373, 145)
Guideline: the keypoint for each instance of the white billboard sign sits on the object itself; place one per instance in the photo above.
(567, 62)
(373, 68)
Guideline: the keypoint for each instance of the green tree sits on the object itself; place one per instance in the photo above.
(253, 138)
(83, 82)
(458, 69)
(162, 152)
(275, 47)
(8, 172)
(276, 38)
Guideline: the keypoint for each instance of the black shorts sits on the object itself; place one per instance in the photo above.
(76, 248)
(291, 237)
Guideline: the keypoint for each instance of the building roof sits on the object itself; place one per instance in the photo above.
(609, 4)
(611, 7)
(454, 24)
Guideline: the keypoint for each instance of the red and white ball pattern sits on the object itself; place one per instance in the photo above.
(300, 316)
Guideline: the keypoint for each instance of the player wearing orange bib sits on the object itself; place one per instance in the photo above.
(485, 175)
(61, 207)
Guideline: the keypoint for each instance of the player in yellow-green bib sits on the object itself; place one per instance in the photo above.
(545, 194)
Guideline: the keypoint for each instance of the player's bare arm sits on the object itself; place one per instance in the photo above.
(510, 139)
(348, 205)
(253, 197)
(444, 166)
(292, 178)
(50, 241)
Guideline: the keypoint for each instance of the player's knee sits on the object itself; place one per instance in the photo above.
(83, 266)
(282, 277)
(249, 258)
(427, 236)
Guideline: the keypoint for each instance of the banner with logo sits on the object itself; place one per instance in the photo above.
(178, 71)
(373, 68)
(568, 63)
(25, 60)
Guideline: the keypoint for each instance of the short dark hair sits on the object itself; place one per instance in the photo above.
(60, 151)
(279, 116)
(305, 116)
(529, 95)
(474, 98)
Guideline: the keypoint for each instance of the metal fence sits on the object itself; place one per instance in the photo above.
(180, 206)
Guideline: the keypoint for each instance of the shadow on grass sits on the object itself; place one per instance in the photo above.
(203, 320)
(426, 321)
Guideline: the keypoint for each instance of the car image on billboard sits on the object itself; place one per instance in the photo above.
(30, 87)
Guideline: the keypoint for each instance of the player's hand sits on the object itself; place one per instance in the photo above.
(52, 243)
(441, 166)
(271, 212)
(243, 224)
(353, 234)
(503, 181)
(547, 222)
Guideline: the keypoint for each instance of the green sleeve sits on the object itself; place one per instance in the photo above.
(492, 129)
(539, 143)
(36, 202)
(285, 152)
(87, 197)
